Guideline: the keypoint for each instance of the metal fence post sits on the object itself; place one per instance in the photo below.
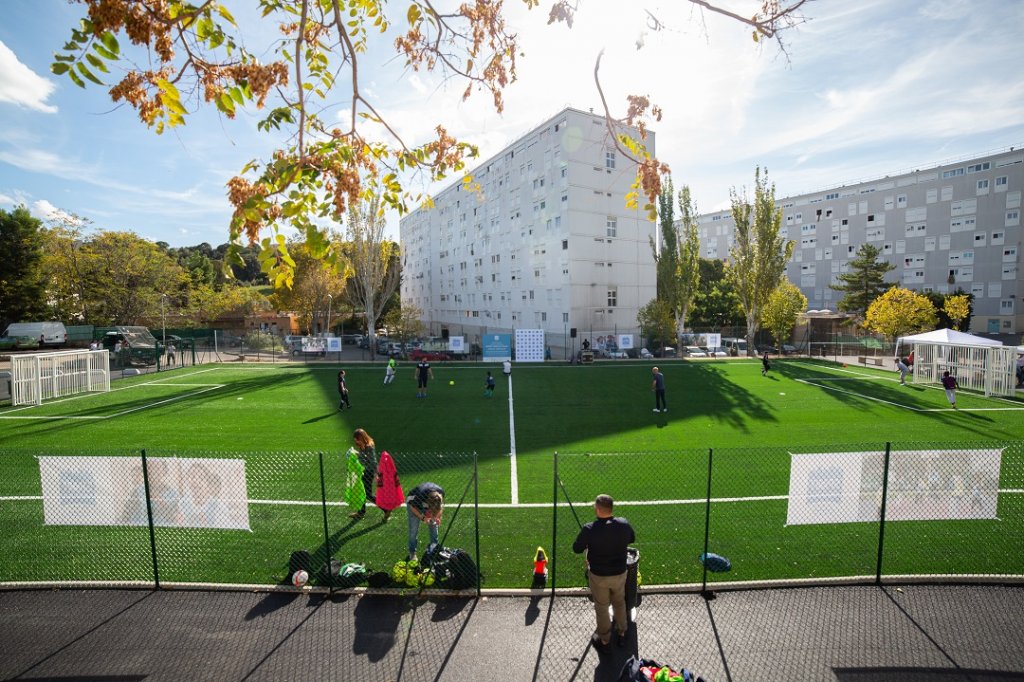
(554, 523)
(881, 519)
(707, 526)
(476, 520)
(149, 516)
(327, 532)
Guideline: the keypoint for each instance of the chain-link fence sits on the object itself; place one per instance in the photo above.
(703, 517)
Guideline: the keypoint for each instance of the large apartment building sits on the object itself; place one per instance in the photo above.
(947, 227)
(541, 239)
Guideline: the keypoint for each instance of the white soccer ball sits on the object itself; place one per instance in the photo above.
(300, 578)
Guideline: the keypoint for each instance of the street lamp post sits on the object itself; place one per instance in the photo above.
(330, 301)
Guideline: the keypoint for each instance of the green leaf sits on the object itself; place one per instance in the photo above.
(84, 70)
(75, 79)
(104, 52)
(236, 94)
(414, 15)
(70, 46)
(225, 103)
(110, 42)
(223, 11)
(97, 62)
(59, 68)
(204, 27)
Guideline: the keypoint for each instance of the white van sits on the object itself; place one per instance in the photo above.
(735, 347)
(47, 333)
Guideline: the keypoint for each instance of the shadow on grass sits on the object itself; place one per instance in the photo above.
(883, 394)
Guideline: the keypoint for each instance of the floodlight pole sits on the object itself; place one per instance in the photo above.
(330, 301)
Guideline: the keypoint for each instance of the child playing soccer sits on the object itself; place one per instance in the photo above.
(489, 385)
(949, 383)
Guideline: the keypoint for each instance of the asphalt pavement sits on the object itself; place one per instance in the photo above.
(908, 633)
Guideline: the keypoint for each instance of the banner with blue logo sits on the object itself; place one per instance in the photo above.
(497, 347)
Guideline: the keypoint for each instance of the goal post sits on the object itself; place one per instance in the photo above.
(36, 377)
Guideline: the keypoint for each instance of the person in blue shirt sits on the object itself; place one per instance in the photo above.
(658, 386)
(489, 385)
(424, 504)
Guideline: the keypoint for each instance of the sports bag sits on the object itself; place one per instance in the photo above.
(453, 569)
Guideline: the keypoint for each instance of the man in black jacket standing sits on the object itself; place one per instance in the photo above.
(605, 541)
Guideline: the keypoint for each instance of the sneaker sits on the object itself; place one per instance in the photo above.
(387, 516)
(665, 410)
(357, 515)
(656, 409)
(595, 640)
(412, 557)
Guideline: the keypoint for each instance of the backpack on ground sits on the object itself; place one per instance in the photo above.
(453, 569)
(645, 670)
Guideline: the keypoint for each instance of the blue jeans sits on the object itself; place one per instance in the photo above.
(414, 529)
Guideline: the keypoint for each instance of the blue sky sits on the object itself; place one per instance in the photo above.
(871, 87)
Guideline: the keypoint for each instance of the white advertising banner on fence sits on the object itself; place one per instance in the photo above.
(109, 491)
(529, 345)
(924, 485)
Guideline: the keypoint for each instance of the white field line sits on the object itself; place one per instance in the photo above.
(906, 407)
(211, 387)
(514, 471)
(79, 396)
(527, 505)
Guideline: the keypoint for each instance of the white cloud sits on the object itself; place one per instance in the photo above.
(44, 210)
(19, 85)
(4, 199)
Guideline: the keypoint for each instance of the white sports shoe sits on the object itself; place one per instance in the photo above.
(656, 409)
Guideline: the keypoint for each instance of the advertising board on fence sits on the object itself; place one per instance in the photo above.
(497, 347)
(924, 485)
(110, 491)
(529, 345)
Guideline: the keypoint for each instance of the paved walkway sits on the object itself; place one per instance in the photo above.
(849, 634)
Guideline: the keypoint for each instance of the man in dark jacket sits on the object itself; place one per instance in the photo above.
(605, 541)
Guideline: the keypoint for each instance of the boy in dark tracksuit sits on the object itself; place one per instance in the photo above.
(343, 391)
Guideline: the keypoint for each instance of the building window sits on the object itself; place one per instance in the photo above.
(565, 245)
(611, 226)
(613, 297)
(609, 159)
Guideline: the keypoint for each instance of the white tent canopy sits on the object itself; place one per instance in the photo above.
(977, 363)
(948, 337)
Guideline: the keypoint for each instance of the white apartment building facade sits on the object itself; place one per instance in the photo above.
(953, 226)
(545, 242)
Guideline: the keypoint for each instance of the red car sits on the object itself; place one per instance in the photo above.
(430, 356)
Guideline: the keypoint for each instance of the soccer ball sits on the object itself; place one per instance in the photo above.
(452, 382)
(300, 578)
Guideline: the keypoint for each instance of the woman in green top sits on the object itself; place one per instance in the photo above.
(368, 458)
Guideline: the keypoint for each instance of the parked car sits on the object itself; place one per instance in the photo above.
(646, 354)
(430, 356)
(695, 352)
(788, 349)
(665, 352)
(716, 352)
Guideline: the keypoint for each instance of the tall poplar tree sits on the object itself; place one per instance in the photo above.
(374, 260)
(760, 253)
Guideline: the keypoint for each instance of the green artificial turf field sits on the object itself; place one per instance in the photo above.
(598, 418)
